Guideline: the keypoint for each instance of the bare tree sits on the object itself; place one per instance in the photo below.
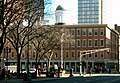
(19, 31)
(9, 13)
(13, 14)
(47, 40)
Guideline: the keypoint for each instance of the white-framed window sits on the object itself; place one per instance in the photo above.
(95, 55)
(84, 32)
(89, 31)
(84, 42)
(55, 55)
(34, 55)
(78, 42)
(102, 54)
(95, 31)
(73, 43)
(101, 42)
(67, 44)
(72, 31)
(78, 53)
(23, 56)
(67, 31)
(89, 42)
(78, 32)
(84, 54)
(96, 43)
(101, 31)
(72, 54)
(13, 55)
(67, 54)
(90, 54)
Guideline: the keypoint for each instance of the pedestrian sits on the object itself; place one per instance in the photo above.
(39, 71)
(109, 70)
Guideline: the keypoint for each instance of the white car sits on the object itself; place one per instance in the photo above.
(31, 70)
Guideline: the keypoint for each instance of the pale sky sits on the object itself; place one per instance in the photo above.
(71, 8)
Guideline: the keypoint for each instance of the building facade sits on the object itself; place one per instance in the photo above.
(117, 28)
(86, 37)
(94, 12)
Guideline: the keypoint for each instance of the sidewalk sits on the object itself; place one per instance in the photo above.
(65, 76)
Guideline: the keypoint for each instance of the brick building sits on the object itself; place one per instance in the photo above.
(117, 28)
(87, 37)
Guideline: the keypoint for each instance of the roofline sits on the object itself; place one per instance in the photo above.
(87, 25)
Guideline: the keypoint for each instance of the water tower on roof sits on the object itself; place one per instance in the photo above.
(59, 15)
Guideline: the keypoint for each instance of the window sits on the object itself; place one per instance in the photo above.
(78, 42)
(73, 54)
(78, 32)
(101, 54)
(72, 31)
(67, 44)
(84, 54)
(34, 54)
(12, 54)
(73, 43)
(101, 31)
(67, 31)
(90, 55)
(84, 42)
(89, 42)
(55, 55)
(78, 54)
(89, 32)
(101, 42)
(95, 32)
(83, 32)
(67, 54)
(95, 42)
(23, 56)
(96, 54)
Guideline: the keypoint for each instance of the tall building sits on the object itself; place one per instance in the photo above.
(94, 12)
(37, 7)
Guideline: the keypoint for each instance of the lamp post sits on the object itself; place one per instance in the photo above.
(80, 63)
(62, 50)
(28, 54)
(25, 23)
(7, 50)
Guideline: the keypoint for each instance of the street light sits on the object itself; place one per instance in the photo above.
(25, 23)
(62, 39)
(7, 50)
(80, 63)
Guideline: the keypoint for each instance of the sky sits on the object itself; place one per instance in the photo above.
(71, 8)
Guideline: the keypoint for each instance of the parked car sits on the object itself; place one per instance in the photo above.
(31, 70)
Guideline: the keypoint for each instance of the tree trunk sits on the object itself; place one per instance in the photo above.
(36, 66)
(1, 45)
(18, 66)
(48, 64)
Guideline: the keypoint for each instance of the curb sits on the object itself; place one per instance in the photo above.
(52, 79)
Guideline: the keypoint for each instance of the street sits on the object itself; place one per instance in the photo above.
(94, 79)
